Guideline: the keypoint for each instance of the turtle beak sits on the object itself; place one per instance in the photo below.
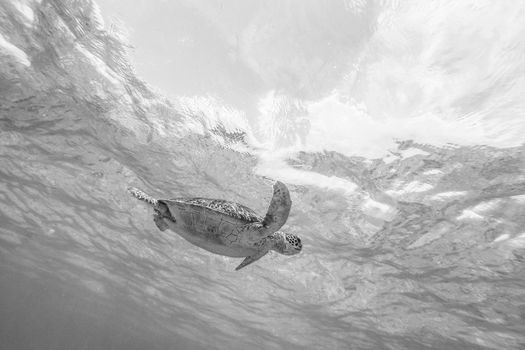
(299, 245)
(295, 249)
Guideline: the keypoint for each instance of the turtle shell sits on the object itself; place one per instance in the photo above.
(232, 209)
(212, 224)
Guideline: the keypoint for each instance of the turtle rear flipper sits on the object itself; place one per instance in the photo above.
(162, 213)
(159, 221)
(279, 208)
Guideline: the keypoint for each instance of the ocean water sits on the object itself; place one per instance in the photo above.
(397, 126)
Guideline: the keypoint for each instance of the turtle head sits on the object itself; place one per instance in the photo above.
(286, 243)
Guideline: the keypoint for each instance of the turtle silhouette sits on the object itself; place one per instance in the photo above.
(227, 228)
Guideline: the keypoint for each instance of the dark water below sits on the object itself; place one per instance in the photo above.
(423, 248)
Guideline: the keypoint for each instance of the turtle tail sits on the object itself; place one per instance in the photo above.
(143, 196)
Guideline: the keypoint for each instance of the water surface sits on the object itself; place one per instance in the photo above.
(397, 128)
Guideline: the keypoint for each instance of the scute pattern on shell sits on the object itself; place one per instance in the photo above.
(232, 209)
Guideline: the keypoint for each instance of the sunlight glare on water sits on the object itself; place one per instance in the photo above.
(397, 127)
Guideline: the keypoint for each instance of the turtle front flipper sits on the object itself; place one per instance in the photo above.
(251, 259)
(279, 208)
(159, 221)
(162, 214)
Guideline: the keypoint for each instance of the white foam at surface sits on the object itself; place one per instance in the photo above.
(348, 128)
(370, 203)
(416, 186)
(433, 172)
(389, 158)
(469, 214)
(25, 10)
(518, 241)
(410, 152)
(14, 51)
(502, 237)
(412, 187)
(520, 199)
(445, 195)
(379, 210)
(486, 206)
(273, 165)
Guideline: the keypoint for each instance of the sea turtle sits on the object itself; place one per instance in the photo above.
(227, 228)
